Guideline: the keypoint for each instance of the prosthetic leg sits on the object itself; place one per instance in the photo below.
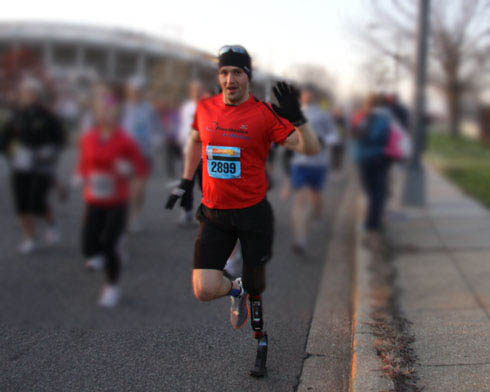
(257, 321)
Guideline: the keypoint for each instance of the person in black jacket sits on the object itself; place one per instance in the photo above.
(32, 139)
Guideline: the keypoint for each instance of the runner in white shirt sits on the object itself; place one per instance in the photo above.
(186, 117)
(309, 173)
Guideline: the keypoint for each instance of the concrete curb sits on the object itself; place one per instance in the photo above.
(327, 363)
(366, 366)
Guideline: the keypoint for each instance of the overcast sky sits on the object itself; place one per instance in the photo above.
(277, 33)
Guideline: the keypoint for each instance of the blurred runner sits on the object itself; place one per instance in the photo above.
(141, 122)
(187, 111)
(309, 173)
(338, 150)
(108, 160)
(232, 132)
(86, 120)
(33, 139)
(186, 118)
(67, 108)
(169, 117)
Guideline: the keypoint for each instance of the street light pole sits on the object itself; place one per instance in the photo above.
(414, 190)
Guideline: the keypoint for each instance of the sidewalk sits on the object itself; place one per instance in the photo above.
(442, 257)
(442, 263)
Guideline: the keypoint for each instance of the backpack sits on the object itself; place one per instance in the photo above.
(399, 145)
(373, 135)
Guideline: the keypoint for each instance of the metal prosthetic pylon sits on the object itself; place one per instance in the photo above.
(260, 369)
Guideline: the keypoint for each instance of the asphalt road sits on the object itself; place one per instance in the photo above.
(54, 338)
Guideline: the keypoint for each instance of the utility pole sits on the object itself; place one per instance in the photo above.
(414, 190)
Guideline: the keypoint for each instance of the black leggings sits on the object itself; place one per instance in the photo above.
(374, 178)
(101, 232)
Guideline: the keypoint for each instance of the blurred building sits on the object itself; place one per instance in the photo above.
(81, 54)
(70, 51)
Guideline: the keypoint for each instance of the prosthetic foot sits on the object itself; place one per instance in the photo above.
(259, 369)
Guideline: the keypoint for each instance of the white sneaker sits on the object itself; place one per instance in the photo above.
(52, 235)
(95, 263)
(27, 246)
(110, 296)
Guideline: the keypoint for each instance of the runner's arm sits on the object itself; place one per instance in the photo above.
(192, 154)
(303, 140)
(81, 170)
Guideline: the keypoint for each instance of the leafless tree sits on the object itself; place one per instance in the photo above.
(459, 45)
(314, 74)
(377, 73)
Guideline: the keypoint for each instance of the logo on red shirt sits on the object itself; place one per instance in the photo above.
(214, 126)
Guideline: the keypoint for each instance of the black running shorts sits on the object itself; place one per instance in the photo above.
(220, 230)
(30, 191)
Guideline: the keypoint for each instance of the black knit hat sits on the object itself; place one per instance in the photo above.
(236, 56)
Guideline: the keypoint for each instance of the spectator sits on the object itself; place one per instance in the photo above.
(371, 127)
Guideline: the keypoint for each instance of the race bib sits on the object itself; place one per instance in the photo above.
(224, 162)
(102, 185)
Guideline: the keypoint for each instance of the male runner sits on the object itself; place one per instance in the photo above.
(233, 132)
(309, 174)
(141, 122)
(33, 139)
(186, 118)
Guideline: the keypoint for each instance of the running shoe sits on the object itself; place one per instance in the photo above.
(239, 310)
(110, 296)
(27, 246)
(95, 263)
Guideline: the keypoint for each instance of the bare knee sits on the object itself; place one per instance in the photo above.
(204, 293)
(207, 284)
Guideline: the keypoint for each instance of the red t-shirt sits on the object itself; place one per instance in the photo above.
(235, 143)
(106, 166)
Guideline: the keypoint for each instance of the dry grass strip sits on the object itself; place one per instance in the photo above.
(393, 342)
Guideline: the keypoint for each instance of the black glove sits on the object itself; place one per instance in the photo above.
(288, 98)
(184, 191)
